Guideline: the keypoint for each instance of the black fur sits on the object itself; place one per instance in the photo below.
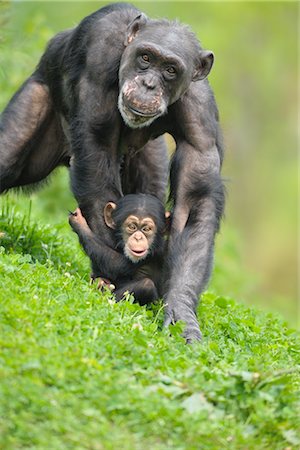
(69, 110)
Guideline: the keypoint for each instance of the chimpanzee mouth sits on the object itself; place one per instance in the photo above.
(138, 253)
(142, 114)
(135, 118)
(135, 255)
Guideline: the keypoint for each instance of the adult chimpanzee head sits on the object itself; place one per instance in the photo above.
(159, 62)
(139, 224)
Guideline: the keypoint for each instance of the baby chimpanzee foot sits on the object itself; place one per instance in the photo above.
(102, 283)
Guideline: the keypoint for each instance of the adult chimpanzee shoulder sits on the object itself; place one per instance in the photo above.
(102, 95)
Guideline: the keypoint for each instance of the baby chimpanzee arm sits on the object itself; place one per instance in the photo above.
(106, 262)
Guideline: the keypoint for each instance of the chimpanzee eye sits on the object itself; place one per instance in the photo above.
(146, 229)
(171, 70)
(144, 61)
(132, 227)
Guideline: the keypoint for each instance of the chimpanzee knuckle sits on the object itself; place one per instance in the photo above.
(168, 319)
(177, 313)
(192, 334)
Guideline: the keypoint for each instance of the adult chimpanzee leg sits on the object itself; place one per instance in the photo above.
(31, 139)
(198, 197)
(147, 171)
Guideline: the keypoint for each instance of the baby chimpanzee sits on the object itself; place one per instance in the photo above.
(138, 223)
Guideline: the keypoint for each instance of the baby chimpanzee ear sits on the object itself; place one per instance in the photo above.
(108, 209)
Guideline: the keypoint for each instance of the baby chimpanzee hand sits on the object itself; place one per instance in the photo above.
(78, 222)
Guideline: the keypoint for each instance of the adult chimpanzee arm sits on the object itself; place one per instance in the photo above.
(95, 170)
(197, 191)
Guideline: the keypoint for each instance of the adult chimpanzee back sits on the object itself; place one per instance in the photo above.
(101, 96)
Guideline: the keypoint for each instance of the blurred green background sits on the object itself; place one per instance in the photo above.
(255, 82)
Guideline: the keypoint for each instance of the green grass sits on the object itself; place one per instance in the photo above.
(79, 371)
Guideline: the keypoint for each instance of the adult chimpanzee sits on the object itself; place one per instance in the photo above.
(139, 224)
(101, 94)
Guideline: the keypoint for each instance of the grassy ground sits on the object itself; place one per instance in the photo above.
(79, 371)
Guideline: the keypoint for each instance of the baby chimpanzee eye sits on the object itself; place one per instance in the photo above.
(132, 227)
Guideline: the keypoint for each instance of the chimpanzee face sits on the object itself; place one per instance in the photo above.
(150, 81)
(157, 67)
(138, 236)
(139, 222)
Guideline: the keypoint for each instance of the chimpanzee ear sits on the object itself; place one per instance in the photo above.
(108, 209)
(205, 62)
(134, 27)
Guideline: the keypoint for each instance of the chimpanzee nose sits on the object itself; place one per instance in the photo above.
(149, 82)
(138, 235)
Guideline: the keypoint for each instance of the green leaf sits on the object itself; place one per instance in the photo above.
(291, 436)
(221, 302)
(196, 403)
